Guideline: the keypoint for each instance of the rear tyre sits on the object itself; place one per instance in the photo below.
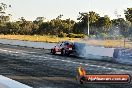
(53, 51)
(63, 52)
(67, 54)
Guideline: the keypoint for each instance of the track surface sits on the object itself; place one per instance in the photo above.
(39, 69)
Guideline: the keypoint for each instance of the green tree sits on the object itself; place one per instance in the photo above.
(103, 24)
(93, 18)
(12, 28)
(84, 18)
(39, 20)
(82, 25)
(124, 28)
(25, 26)
(4, 18)
(128, 14)
(3, 7)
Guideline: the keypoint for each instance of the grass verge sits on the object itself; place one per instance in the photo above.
(54, 39)
(110, 43)
(38, 38)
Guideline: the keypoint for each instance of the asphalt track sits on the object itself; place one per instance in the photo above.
(39, 69)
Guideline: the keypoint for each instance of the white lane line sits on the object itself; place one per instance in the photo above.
(64, 60)
(104, 67)
(10, 51)
(46, 57)
(93, 65)
(5, 50)
(122, 70)
(86, 64)
(38, 56)
(51, 58)
(16, 51)
(109, 68)
(73, 62)
(127, 71)
(68, 61)
(114, 69)
(98, 66)
(80, 63)
(58, 59)
(41, 56)
(34, 55)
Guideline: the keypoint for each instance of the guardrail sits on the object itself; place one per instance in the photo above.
(9, 83)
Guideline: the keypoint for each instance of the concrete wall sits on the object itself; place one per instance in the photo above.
(123, 56)
(102, 53)
(9, 83)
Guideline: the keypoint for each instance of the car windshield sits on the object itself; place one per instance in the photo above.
(66, 43)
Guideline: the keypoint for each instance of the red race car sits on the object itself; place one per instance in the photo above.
(64, 48)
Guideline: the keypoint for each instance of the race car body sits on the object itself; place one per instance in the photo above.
(65, 48)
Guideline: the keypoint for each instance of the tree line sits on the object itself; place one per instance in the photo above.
(98, 25)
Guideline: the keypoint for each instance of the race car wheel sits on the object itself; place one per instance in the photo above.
(63, 52)
(53, 51)
(67, 54)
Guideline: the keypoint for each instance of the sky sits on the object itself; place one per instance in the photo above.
(50, 9)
